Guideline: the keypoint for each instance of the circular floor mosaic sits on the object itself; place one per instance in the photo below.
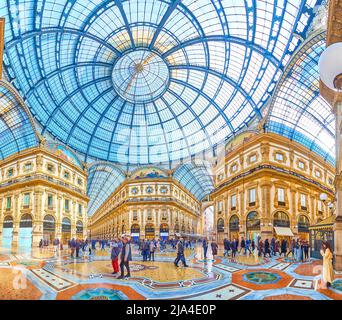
(99, 294)
(261, 277)
(337, 285)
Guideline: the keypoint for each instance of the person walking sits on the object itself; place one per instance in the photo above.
(306, 250)
(180, 253)
(77, 247)
(273, 243)
(72, 247)
(283, 247)
(115, 257)
(226, 245)
(234, 248)
(242, 245)
(205, 248)
(267, 249)
(214, 247)
(146, 249)
(125, 258)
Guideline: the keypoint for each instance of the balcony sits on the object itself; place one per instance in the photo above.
(233, 208)
(304, 208)
(252, 204)
(281, 223)
(281, 204)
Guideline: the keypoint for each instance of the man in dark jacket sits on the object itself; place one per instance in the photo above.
(226, 245)
(126, 257)
(234, 248)
(283, 247)
(180, 253)
(267, 248)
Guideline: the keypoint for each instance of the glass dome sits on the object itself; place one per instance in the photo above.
(149, 81)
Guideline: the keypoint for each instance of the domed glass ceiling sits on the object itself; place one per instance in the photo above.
(142, 81)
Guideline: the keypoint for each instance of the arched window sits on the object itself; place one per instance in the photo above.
(66, 225)
(79, 227)
(303, 224)
(281, 219)
(234, 223)
(8, 222)
(253, 221)
(135, 228)
(26, 221)
(220, 225)
(49, 223)
(149, 228)
(164, 227)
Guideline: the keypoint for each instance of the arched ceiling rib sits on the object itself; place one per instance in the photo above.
(17, 131)
(298, 111)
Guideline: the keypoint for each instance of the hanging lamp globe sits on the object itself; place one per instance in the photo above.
(330, 66)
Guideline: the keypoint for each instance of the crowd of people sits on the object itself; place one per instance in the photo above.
(121, 250)
(298, 248)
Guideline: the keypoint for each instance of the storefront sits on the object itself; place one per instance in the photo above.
(164, 231)
(149, 231)
(322, 231)
(135, 233)
(79, 230)
(66, 230)
(253, 226)
(49, 228)
(25, 233)
(303, 228)
(7, 232)
(220, 230)
(234, 228)
(281, 224)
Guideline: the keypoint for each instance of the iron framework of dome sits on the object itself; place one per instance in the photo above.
(143, 82)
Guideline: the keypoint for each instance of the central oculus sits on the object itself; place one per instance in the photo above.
(140, 76)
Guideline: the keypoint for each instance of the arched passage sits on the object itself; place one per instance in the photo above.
(25, 232)
(66, 230)
(7, 232)
(149, 231)
(49, 228)
(234, 227)
(79, 229)
(135, 232)
(253, 226)
(164, 231)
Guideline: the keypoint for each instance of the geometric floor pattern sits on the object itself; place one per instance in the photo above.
(41, 274)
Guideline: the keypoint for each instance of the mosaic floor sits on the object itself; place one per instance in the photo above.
(41, 274)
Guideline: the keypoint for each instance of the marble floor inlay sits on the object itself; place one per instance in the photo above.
(45, 274)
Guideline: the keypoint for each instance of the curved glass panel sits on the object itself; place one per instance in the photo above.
(103, 179)
(16, 130)
(201, 77)
(299, 112)
(197, 178)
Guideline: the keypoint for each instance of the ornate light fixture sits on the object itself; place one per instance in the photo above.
(330, 66)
